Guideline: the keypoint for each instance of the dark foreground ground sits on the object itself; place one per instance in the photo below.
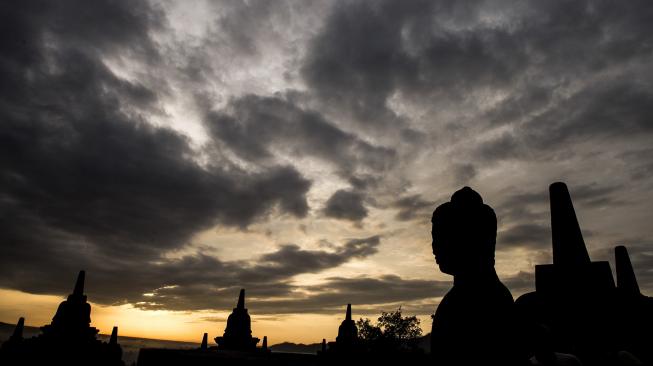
(130, 345)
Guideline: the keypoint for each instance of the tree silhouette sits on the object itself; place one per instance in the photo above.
(392, 331)
(368, 332)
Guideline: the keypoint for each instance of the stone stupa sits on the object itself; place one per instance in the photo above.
(68, 340)
(577, 298)
(347, 339)
(238, 333)
(73, 317)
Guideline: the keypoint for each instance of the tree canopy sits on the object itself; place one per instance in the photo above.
(392, 329)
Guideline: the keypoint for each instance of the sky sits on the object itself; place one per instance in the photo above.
(181, 150)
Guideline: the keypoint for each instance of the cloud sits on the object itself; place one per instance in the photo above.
(526, 214)
(368, 51)
(464, 173)
(259, 128)
(389, 97)
(290, 260)
(85, 180)
(367, 294)
(640, 163)
(482, 65)
(363, 247)
(504, 147)
(192, 282)
(370, 295)
(526, 235)
(202, 282)
(214, 319)
(588, 194)
(611, 108)
(346, 205)
(411, 207)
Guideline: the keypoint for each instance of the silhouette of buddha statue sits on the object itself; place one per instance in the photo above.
(474, 322)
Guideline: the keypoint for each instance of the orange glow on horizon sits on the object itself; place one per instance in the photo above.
(173, 325)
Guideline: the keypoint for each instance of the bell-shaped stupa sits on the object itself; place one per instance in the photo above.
(238, 333)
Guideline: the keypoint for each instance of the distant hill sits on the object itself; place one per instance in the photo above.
(423, 342)
(296, 348)
(6, 330)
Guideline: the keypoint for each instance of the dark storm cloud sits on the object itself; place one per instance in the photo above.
(535, 54)
(199, 281)
(365, 293)
(370, 49)
(640, 163)
(290, 259)
(85, 181)
(346, 205)
(532, 203)
(608, 109)
(504, 147)
(412, 207)
(557, 74)
(203, 282)
(364, 182)
(370, 295)
(347, 58)
(611, 110)
(254, 126)
(527, 235)
(527, 214)
(108, 26)
(519, 105)
(212, 284)
(463, 173)
(596, 194)
(360, 248)
(327, 298)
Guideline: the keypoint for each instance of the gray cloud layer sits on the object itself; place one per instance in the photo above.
(86, 180)
(252, 126)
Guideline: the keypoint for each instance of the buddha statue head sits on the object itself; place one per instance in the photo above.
(464, 234)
